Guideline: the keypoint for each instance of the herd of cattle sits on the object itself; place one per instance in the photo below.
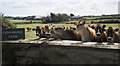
(79, 32)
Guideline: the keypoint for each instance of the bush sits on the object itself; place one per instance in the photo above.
(11, 25)
(6, 23)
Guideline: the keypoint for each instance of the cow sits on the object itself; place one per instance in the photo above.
(77, 34)
(43, 32)
(113, 35)
(33, 29)
(56, 32)
(100, 32)
(66, 28)
(63, 27)
(60, 33)
(47, 31)
(87, 33)
(28, 28)
(38, 31)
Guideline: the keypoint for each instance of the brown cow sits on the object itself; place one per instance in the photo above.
(28, 28)
(67, 34)
(33, 29)
(38, 31)
(113, 35)
(42, 35)
(47, 31)
(87, 33)
(56, 32)
(100, 31)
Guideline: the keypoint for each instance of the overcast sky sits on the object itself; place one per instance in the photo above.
(44, 7)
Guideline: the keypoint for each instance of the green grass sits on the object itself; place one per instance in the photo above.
(15, 21)
(99, 17)
(32, 34)
(89, 21)
(112, 25)
(42, 25)
(90, 17)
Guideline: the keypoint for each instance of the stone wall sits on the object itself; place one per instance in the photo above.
(45, 53)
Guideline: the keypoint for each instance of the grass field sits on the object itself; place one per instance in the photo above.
(87, 21)
(16, 21)
(32, 34)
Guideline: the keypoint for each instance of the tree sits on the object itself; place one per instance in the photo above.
(30, 17)
(55, 18)
(46, 19)
(72, 15)
(52, 15)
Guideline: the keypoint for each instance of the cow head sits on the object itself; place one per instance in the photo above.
(55, 32)
(47, 31)
(38, 31)
(33, 29)
(28, 28)
(52, 33)
(99, 29)
(80, 24)
(58, 29)
(110, 32)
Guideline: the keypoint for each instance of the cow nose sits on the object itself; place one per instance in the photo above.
(98, 34)
(37, 34)
(47, 34)
(109, 38)
(80, 24)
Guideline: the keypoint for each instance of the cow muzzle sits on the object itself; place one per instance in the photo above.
(47, 34)
(98, 33)
(109, 38)
(37, 34)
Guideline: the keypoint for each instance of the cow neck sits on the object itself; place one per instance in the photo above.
(103, 37)
(87, 34)
(77, 35)
(116, 36)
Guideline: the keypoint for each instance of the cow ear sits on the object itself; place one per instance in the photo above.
(92, 27)
(83, 23)
(116, 29)
(103, 26)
